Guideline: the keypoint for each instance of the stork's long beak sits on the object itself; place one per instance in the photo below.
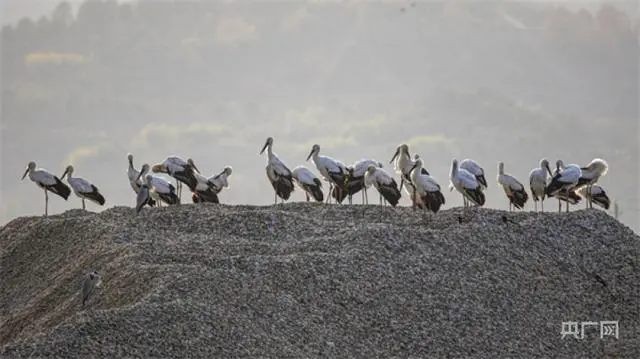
(25, 173)
(64, 174)
(310, 154)
(264, 147)
(395, 155)
(221, 173)
(401, 182)
(414, 167)
(195, 168)
(549, 170)
(139, 175)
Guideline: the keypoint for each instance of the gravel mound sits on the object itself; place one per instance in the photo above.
(313, 280)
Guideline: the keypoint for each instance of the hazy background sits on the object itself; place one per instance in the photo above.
(85, 83)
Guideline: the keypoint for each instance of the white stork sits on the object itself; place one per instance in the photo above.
(83, 188)
(159, 188)
(513, 188)
(384, 183)
(48, 182)
(278, 173)
(182, 171)
(134, 180)
(591, 173)
(427, 190)
(220, 180)
(205, 190)
(565, 179)
(354, 180)
(467, 184)
(474, 168)
(595, 194)
(308, 182)
(403, 166)
(333, 171)
(538, 182)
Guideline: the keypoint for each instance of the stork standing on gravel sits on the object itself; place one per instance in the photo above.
(278, 173)
(48, 182)
(221, 180)
(204, 191)
(538, 182)
(354, 180)
(564, 179)
(182, 171)
(595, 194)
(591, 173)
(134, 180)
(384, 183)
(426, 189)
(333, 171)
(475, 169)
(467, 184)
(83, 188)
(159, 188)
(513, 188)
(403, 166)
(309, 183)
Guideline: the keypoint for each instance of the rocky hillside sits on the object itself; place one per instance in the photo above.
(309, 280)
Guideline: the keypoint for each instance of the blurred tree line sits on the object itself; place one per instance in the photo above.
(65, 63)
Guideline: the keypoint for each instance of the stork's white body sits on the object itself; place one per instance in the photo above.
(512, 187)
(48, 182)
(475, 169)
(331, 169)
(591, 173)
(465, 183)
(308, 182)
(377, 178)
(427, 190)
(221, 180)
(303, 175)
(537, 183)
(83, 188)
(158, 187)
(278, 173)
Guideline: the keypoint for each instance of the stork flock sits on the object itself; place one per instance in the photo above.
(569, 183)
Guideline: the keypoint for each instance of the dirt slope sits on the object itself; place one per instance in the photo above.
(309, 280)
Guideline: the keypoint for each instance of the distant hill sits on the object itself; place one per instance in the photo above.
(310, 280)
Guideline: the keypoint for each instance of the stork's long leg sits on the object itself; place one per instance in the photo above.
(542, 204)
(567, 206)
(365, 196)
(83, 206)
(559, 206)
(46, 203)
(307, 194)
